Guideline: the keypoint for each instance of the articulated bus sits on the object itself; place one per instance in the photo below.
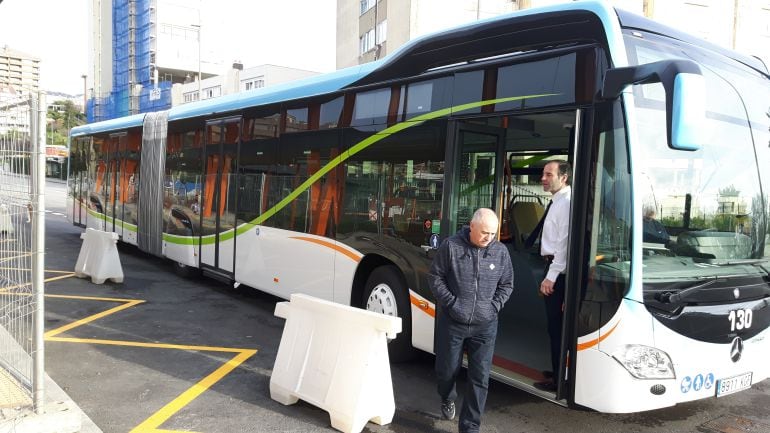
(342, 186)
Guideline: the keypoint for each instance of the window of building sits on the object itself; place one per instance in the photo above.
(366, 5)
(366, 42)
(382, 31)
(212, 92)
(253, 83)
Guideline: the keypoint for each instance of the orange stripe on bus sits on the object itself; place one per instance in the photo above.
(594, 342)
(422, 305)
(353, 256)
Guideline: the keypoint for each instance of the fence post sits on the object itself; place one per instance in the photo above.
(37, 208)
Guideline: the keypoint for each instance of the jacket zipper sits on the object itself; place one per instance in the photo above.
(476, 285)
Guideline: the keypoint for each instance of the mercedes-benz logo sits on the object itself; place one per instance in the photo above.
(737, 293)
(736, 350)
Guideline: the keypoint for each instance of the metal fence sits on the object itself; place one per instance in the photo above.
(22, 186)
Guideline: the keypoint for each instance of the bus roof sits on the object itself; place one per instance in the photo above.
(414, 57)
(525, 30)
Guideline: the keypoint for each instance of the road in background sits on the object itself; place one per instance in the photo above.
(140, 361)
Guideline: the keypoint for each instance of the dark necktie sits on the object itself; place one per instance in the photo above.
(538, 228)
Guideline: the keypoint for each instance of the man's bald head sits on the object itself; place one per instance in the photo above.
(483, 227)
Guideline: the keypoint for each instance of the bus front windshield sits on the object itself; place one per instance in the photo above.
(704, 211)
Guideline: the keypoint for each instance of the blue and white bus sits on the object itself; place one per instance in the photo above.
(341, 186)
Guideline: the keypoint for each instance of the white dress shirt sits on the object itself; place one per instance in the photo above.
(555, 237)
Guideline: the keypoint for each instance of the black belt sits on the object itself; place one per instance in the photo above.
(547, 259)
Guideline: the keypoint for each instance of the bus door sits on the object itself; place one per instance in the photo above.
(218, 203)
(110, 180)
(522, 350)
(77, 179)
(119, 162)
(475, 177)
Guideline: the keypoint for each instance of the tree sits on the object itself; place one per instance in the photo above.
(62, 116)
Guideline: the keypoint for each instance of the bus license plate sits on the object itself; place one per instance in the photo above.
(733, 384)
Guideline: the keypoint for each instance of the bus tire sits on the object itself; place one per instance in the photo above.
(185, 271)
(386, 293)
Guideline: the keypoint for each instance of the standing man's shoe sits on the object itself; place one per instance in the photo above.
(547, 385)
(448, 409)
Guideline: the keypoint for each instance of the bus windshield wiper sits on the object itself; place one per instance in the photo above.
(676, 297)
(730, 262)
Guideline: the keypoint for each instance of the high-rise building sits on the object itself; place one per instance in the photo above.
(369, 29)
(19, 72)
(139, 49)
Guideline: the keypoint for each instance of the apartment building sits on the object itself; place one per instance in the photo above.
(369, 29)
(19, 72)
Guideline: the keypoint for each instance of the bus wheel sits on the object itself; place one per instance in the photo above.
(386, 293)
(185, 271)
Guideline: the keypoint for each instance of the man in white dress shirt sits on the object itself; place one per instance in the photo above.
(553, 249)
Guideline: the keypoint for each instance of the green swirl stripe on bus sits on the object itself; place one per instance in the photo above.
(117, 222)
(358, 147)
(363, 144)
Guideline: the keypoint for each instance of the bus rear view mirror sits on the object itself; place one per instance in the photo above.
(687, 112)
(685, 96)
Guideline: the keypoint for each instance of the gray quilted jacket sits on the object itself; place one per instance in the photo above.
(471, 284)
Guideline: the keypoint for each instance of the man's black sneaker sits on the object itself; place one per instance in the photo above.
(448, 409)
(547, 385)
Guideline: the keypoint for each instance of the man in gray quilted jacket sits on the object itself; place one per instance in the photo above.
(471, 278)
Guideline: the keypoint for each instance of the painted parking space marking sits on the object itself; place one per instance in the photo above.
(153, 423)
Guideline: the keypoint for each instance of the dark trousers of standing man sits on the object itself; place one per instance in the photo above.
(479, 342)
(553, 312)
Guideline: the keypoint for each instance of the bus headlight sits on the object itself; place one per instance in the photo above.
(645, 362)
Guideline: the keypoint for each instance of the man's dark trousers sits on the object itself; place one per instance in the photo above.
(479, 342)
(555, 316)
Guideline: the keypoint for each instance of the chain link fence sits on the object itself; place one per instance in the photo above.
(22, 125)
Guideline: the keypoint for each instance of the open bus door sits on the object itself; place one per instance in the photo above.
(476, 172)
(218, 202)
(497, 162)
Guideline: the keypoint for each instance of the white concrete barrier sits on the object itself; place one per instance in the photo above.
(335, 357)
(99, 257)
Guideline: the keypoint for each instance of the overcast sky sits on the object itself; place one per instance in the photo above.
(254, 31)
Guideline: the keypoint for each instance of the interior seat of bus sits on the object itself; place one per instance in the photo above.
(524, 217)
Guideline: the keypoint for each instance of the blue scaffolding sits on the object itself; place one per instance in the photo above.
(132, 65)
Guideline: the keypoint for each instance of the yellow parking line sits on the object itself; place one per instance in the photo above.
(60, 277)
(142, 344)
(7, 259)
(152, 423)
(90, 298)
(90, 319)
(16, 268)
(6, 290)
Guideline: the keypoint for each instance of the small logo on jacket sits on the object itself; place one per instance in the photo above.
(492, 266)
